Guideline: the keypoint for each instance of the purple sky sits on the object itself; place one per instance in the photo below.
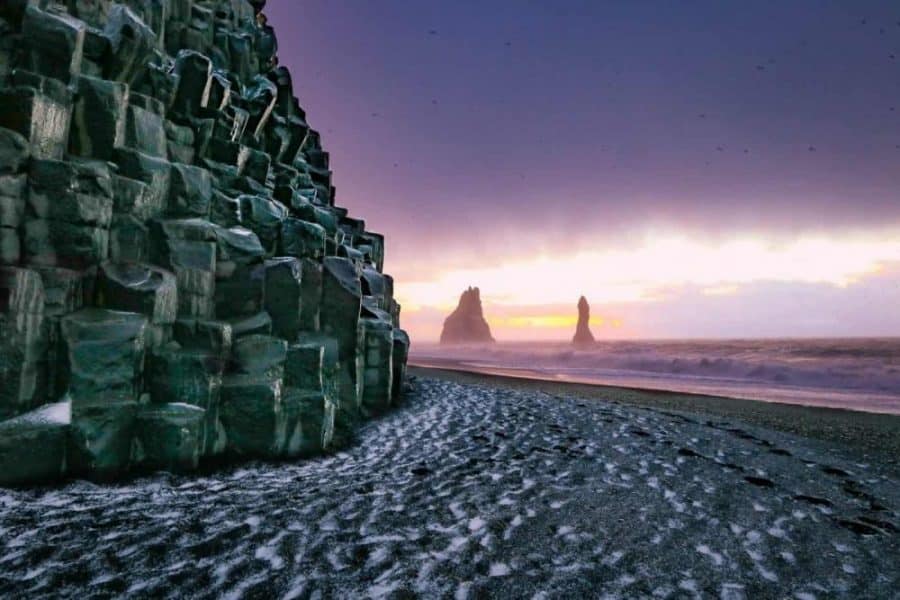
(477, 133)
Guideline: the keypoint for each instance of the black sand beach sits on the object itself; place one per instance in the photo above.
(868, 436)
(469, 491)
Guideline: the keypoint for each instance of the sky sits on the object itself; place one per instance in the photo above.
(695, 169)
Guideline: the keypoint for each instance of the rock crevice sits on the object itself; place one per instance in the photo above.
(177, 282)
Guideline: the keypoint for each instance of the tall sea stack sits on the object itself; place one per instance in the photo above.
(583, 335)
(466, 324)
(177, 282)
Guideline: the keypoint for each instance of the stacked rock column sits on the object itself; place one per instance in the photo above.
(177, 282)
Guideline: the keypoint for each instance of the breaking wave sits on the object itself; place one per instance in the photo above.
(859, 374)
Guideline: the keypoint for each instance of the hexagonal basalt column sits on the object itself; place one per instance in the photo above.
(33, 445)
(23, 341)
(378, 375)
(252, 415)
(284, 295)
(139, 288)
(100, 439)
(98, 117)
(194, 377)
(309, 418)
(39, 109)
(169, 436)
(340, 318)
(400, 356)
(102, 355)
(54, 43)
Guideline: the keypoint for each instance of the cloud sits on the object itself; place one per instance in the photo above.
(649, 270)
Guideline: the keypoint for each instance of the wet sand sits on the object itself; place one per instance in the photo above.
(869, 436)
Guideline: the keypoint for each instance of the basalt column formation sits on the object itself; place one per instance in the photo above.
(177, 283)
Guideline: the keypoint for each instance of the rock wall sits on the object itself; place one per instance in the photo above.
(176, 281)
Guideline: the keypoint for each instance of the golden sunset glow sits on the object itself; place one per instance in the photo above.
(552, 321)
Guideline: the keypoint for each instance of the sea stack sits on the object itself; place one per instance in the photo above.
(583, 335)
(466, 324)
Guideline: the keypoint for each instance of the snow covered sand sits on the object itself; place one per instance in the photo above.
(470, 490)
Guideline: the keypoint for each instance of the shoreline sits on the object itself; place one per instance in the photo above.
(875, 436)
(799, 396)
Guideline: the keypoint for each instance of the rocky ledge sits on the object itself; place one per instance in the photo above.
(176, 281)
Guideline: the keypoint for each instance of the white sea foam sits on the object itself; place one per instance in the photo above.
(860, 374)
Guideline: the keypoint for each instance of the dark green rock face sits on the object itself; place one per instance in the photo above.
(24, 341)
(102, 355)
(39, 110)
(259, 354)
(252, 415)
(144, 289)
(378, 376)
(169, 437)
(54, 43)
(100, 439)
(33, 446)
(14, 150)
(177, 281)
(401, 353)
(212, 336)
(193, 377)
(309, 422)
(310, 295)
(284, 296)
(190, 191)
(98, 117)
(302, 239)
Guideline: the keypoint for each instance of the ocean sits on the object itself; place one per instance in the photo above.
(856, 374)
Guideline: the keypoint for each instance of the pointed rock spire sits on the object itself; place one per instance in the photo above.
(583, 335)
